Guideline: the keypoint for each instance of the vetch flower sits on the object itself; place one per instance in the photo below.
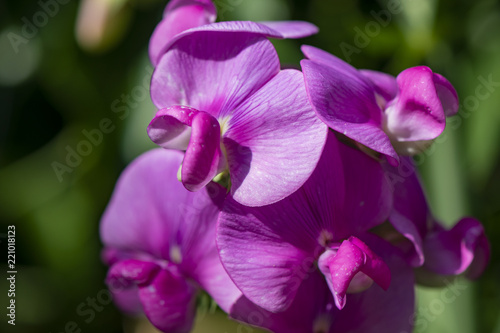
(463, 249)
(224, 100)
(389, 115)
(160, 243)
(285, 257)
(182, 15)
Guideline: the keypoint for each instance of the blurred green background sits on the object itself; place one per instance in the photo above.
(82, 67)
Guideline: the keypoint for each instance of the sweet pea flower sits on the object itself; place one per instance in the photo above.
(182, 15)
(392, 116)
(309, 260)
(160, 243)
(224, 100)
(313, 309)
(438, 252)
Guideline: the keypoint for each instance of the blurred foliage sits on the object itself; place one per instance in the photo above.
(62, 79)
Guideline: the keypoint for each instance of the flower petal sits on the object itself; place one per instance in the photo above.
(306, 314)
(376, 310)
(447, 94)
(135, 271)
(452, 252)
(291, 29)
(143, 212)
(284, 29)
(179, 16)
(385, 84)
(345, 101)
(415, 253)
(120, 281)
(127, 300)
(368, 194)
(213, 278)
(417, 113)
(169, 302)
(352, 257)
(324, 58)
(371, 311)
(170, 128)
(152, 214)
(153, 218)
(339, 269)
(167, 299)
(262, 263)
(373, 266)
(281, 241)
(411, 215)
(273, 138)
(213, 71)
(203, 155)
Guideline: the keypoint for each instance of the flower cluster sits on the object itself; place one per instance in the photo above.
(278, 192)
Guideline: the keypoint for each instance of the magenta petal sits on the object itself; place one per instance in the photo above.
(374, 266)
(169, 302)
(452, 252)
(136, 271)
(345, 101)
(385, 84)
(292, 29)
(285, 29)
(352, 257)
(203, 154)
(447, 94)
(407, 228)
(411, 215)
(307, 309)
(376, 310)
(152, 214)
(213, 71)
(372, 311)
(368, 194)
(175, 4)
(179, 16)
(143, 213)
(170, 128)
(340, 268)
(268, 251)
(274, 141)
(127, 300)
(122, 280)
(324, 58)
(262, 264)
(212, 277)
(416, 114)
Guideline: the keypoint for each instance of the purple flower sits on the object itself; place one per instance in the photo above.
(160, 243)
(389, 115)
(182, 15)
(224, 100)
(309, 260)
(439, 252)
(179, 15)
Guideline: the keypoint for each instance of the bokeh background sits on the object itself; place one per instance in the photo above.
(84, 63)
